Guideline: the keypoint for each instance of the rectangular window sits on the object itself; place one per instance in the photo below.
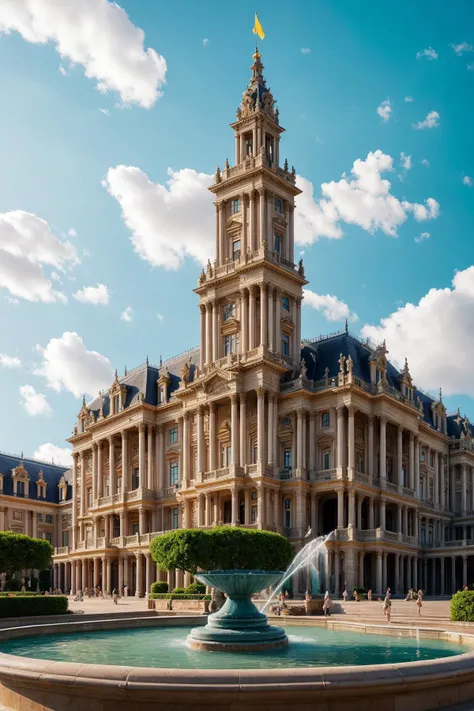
(229, 345)
(175, 523)
(48, 518)
(229, 311)
(173, 435)
(236, 249)
(255, 453)
(326, 459)
(235, 206)
(116, 404)
(174, 473)
(285, 302)
(39, 517)
(248, 145)
(277, 243)
(135, 479)
(49, 536)
(287, 459)
(278, 205)
(360, 463)
(285, 345)
(253, 514)
(324, 420)
(65, 538)
(20, 488)
(135, 528)
(422, 455)
(229, 456)
(287, 512)
(269, 149)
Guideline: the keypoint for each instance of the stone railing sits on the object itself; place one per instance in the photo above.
(131, 540)
(216, 474)
(81, 545)
(285, 474)
(61, 550)
(391, 486)
(408, 492)
(251, 468)
(324, 475)
(409, 539)
(170, 491)
(117, 541)
(360, 476)
(101, 542)
(369, 534)
(390, 535)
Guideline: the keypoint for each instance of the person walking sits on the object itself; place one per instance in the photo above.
(387, 605)
(115, 596)
(326, 604)
(369, 595)
(419, 603)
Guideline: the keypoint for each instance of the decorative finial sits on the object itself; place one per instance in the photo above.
(285, 165)
(161, 361)
(347, 327)
(115, 374)
(227, 165)
(147, 361)
(441, 394)
(218, 174)
(125, 370)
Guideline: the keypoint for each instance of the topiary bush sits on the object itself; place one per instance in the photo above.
(30, 605)
(221, 548)
(462, 606)
(195, 589)
(178, 591)
(178, 596)
(159, 587)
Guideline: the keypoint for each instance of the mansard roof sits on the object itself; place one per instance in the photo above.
(325, 352)
(459, 426)
(51, 476)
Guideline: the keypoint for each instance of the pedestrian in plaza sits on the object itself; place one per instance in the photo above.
(344, 595)
(115, 596)
(387, 604)
(327, 604)
(369, 595)
(419, 603)
(356, 596)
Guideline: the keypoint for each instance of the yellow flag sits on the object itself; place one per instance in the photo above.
(257, 28)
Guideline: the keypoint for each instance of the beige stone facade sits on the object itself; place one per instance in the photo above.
(260, 429)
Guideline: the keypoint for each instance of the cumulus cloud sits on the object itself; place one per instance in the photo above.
(7, 361)
(467, 180)
(422, 237)
(49, 452)
(332, 308)
(441, 325)
(305, 50)
(96, 34)
(106, 112)
(34, 403)
(429, 53)
(68, 365)
(127, 315)
(168, 222)
(425, 162)
(364, 199)
(462, 47)
(409, 99)
(405, 161)
(27, 247)
(431, 121)
(93, 295)
(385, 110)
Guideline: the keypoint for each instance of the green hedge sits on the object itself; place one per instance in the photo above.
(178, 596)
(462, 606)
(15, 593)
(195, 589)
(25, 606)
(159, 587)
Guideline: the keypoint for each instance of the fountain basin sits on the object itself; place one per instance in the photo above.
(238, 626)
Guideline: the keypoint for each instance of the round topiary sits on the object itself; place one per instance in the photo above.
(462, 606)
(159, 587)
(179, 591)
(195, 589)
(221, 548)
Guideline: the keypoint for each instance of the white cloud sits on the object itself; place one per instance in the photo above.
(96, 34)
(422, 237)
(364, 199)
(429, 53)
(467, 181)
(34, 403)
(93, 295)
(68, 365)
(462, 47)
(49, 452)
(425, 162)
(205, 42)
(7, 361)
(409, 99)
(12, 300)
(385, 110)
(27, 246)
(305, 50)
(72, 232)
(332, 308)
(442, 325)
(127, 315)
(431, 121)
(160, 317)
(63, 71)
(405, 162)
(168, 222)
(105, 111)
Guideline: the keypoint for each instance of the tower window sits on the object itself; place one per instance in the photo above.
(277, 244)
(285, 345)
(278, 205)
(229, 311)
(235, 206)
(285, 302)
(229, 344)
(269, 149)
(236, 249)
(248, 146)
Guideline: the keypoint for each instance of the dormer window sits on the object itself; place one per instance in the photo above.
(278, 205)
(229, 311)
(116, 404)
(235, 206)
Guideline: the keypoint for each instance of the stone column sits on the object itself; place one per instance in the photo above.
(371, 449)
(202, 313)
(277, 307)
(436, 479)
(298, 331)
(120, 575)
(340, 440)
(464, 570)
(243, 430)
(235, 506)
(399, 519)
(252, 316)
(352, 508)
(384, 572)
(125, 468)
(112, 472)
(271, 320)
(453, 574)
(270, 454)
(139, 559)
(215, 332)
(411, 462)
(442, 583)
(292, 233)
(263, 315)
(94, 472)
(253, 222)
(141, 454)
(244, 201)
(261, 194)
(100, 468)
(234, 428)
(185, 452)
(371, 513)
(382, 514)
(360, 500)
(260, 505)
(244, 345)
(208, 332)
(208, 509)
(212, 437)
(148, 573)
(74, 499)
(405, 521)
(312, 466)
(73, 578)
(299, 439)
(409, 571)
(337, 573)
(351, 443)
(400, 456)
(417, 468)
(201, 444)
(464, 489)
(260, 423)
(340, 508)
(397, 573)
(84, 574)
(383, 452)
(149, 483)
(161, 459)
(414, 577)
(247, 505)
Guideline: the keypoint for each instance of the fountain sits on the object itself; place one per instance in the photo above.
(238, 626)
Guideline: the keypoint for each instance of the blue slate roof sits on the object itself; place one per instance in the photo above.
(459, 425)
(51, 475)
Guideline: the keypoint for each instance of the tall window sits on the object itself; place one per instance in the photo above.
(174, 472)
(235, 206)
(422, 455)
(287, 513)
(65, 538)
(431, 459)
(236, 249)
(285, 302)
(173, 435)
(269, 149)
(48, 518)
(229, 311)
(248, 145)
(324, 420)
(226, 455)
(135, 528)
(278, 205)
(326, 459)
(287, 459)
(285, 345)
(89, 498)
(175, 522)
(230, 344)
(116, 403)
(135, 479)
(20, 488)
(277, 243)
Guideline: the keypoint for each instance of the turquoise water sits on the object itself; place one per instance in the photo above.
(166, 647)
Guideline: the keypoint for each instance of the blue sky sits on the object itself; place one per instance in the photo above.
(60, 137)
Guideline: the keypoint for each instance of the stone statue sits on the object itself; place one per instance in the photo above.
(349, 365)
(342, 360)
(303, 368)
(301, 268)
(185, 374)
(197, 372)
(326, 375)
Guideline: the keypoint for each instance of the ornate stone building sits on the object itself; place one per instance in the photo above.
(260, 429)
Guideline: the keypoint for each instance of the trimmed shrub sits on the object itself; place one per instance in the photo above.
(178, 591)
(359, 589)
(16, 593)
(30, 606)
(159, 587)
(462, 606)
(178, 596)
(195, 589)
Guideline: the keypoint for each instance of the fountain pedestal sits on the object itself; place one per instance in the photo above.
(238, 626)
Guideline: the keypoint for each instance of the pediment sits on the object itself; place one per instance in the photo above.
(216, 382)
(20, 472)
